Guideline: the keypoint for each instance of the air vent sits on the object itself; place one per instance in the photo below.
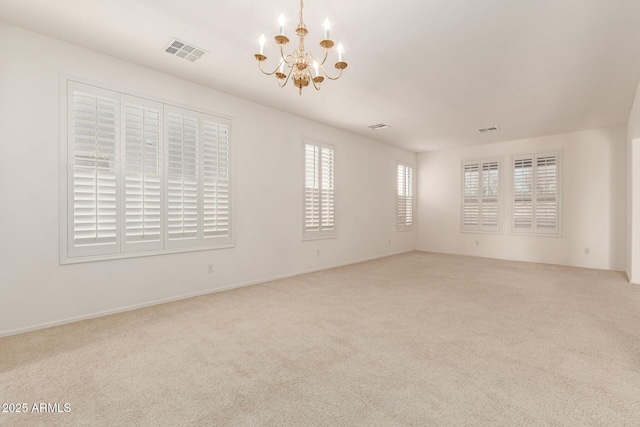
(379, 126)
(184, 50)
(489, 129)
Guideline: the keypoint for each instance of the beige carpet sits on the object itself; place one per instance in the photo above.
(414, 339)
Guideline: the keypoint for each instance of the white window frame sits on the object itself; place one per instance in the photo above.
(534, 230)
(319, 233)
(70, 255)
(402, 223)
(481, 227)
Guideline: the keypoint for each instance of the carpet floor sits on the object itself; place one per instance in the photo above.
(413, 339)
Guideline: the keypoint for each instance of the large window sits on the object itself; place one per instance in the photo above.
(142, 177)
(481, 195)
(404, 197)
(319, 191)
(536, 194)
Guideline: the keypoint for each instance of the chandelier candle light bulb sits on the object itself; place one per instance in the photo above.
(300, 61)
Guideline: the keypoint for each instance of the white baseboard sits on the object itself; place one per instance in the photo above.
(184, 296)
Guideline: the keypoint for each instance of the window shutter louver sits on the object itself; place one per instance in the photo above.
(93, 128)
(319, 193)
(216, 205)
(182, 177)
(404, 208)
(143, 180)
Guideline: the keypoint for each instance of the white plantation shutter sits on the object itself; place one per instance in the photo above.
(319, 193)
(481, 195)
(547, 194)
(327, 202)
(523, 194)
(182, 183)
(143, 178)
(216, 205)
(490, 211)
(470, 196)
(92, 133)
(312, 189)
(404, 208)
(536, 194)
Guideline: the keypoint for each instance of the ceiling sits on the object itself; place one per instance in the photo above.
(436, 71)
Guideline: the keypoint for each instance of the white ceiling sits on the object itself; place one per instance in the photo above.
(435, 70)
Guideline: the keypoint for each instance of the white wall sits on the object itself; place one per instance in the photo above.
(593, 202)
(633, 191)
(36, 291)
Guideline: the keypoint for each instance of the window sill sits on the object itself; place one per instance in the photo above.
(64, 260)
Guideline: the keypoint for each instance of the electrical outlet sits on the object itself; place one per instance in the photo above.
(477, 242)
(317, 252)
(389, 242)
(587, 251)
(210, 268)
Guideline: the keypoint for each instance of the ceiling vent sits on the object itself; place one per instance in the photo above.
(184, 50)
(489, 129)
(379, 126)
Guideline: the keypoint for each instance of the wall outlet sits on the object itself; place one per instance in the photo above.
(587, 251)
(477, 242)
(210, 268)
(317, 252)
(389, 242)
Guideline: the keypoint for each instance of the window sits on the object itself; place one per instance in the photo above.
(143, 177)
(536, 194)
(319, 191)
(481, 195)
(404, 207)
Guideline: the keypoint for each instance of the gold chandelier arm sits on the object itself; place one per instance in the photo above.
(265, 72)
(328, 76)
(287, 79)
(326, 54)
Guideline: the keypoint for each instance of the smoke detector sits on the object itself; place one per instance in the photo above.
(184, 50)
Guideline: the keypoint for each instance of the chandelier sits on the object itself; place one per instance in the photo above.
(301, 66)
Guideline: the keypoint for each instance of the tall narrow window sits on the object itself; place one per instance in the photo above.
(481, 195)
(536, 194)
(183, 217)
(319, 195)
(404, 207)
(92, 154)
(142, 156)
(216, 170)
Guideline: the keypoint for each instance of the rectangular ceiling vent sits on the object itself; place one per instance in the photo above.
(379, 126)
(489, 129)
(184, 50)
